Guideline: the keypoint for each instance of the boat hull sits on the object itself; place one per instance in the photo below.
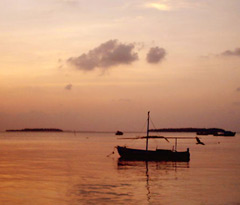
(158, 155)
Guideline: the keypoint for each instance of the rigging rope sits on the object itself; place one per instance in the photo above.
(111, 152)
(158, 133)
(144, 127)
(138, 133)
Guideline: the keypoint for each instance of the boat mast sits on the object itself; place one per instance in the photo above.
(147, 131)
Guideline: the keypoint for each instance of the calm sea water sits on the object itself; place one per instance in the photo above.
(68, 168)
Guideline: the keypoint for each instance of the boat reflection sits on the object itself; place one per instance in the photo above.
(160, 165)
(153, 169)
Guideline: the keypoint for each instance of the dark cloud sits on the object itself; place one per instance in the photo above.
(235, 52)
(108, 54)
(68, 87)
(156, 55)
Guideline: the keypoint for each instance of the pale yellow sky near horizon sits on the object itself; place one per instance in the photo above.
(192, 78)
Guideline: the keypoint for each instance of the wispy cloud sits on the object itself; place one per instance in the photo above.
(108, 54)
(156, 55)
(235, 52)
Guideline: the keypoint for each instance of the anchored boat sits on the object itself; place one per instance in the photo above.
(154, 155)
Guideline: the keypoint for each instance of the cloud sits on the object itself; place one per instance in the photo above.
(108, 54)
(155, 55)
(235, 52)
(68, 87)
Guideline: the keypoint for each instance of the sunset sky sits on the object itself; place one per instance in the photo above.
(102, 64)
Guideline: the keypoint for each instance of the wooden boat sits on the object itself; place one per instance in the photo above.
(153, 155)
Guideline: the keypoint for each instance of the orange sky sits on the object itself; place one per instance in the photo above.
(101, 65)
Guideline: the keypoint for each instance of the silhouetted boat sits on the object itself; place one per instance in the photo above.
(225, 133)
(119, 133)
(216, 132)
(153, 155)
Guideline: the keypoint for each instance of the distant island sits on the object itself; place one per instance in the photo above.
(36, 130)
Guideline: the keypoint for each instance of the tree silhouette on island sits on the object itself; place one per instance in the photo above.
(37, 130)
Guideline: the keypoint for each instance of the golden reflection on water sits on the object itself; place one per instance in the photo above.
(67, 168)
(151, 167)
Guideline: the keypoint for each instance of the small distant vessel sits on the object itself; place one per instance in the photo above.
(119, 133)
(225, 133)
(221, 133)
(153, 155)
(216, 132)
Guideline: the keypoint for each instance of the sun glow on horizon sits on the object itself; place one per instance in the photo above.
(100, 59)
(159, 6)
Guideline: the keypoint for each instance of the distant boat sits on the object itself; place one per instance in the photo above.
(153, 155)
(218, 133)
(119, 133)
(225, 133)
